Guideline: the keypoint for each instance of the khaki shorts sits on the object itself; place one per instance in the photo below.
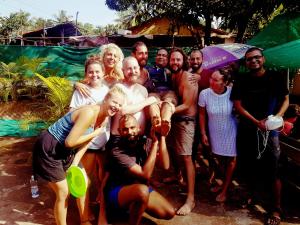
(181, 136)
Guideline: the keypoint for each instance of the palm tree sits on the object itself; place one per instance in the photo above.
(62, 17)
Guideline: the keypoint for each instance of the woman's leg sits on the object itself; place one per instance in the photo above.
(61, 203)
(230, 166)
(88, 162)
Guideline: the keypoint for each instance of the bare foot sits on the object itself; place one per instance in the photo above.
(165, 127)
(186, 208)
(221, 197)
(156, 123)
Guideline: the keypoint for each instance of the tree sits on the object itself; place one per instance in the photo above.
(14, 25)
(40, 23)
(237, 15)
(62, 17)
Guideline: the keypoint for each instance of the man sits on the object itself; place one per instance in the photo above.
(137, 95)
(181, 136)
(203, 75)
(256, 95)
(130, 168)
(140, 52)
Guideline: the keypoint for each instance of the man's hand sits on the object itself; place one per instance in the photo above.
(83, 89)
(261, 124)
(194, 78)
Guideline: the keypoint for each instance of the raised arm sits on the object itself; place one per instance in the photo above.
(144, 172)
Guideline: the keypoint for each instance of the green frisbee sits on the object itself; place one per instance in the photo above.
(77, 181)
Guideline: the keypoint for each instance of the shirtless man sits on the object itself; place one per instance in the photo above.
(140, 52)
(183, 123)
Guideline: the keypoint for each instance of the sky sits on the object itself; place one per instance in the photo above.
(90, 11)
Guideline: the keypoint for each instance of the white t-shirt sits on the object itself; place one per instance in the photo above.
(135, 94)
(97, 96)
(221, 122)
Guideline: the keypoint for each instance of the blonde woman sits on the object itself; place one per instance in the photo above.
(111, 57)
(64, 143)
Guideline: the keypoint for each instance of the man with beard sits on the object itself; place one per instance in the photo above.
(180, 139)
(137, 95)
(203, 75)
(140, 52)
(130, 167)
(256, 95)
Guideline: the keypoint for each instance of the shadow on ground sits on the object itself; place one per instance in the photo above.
(18, 208)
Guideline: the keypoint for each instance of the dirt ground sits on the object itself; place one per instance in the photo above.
(18, 208)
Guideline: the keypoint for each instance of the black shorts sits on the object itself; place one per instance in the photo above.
(50, 158)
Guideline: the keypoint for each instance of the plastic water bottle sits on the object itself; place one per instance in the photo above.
(34, 188)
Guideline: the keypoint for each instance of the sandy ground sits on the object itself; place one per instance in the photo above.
(18, 208)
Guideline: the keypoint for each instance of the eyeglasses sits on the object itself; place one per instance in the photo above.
(249, 59)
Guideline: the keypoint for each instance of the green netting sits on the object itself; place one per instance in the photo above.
(281, 41)
(68, 60)
(284, 56)
(284, 28)
(19, 128)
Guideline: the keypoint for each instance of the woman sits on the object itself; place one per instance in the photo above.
(64, 143)
(93, 159)
(215, 104)
(111, 57)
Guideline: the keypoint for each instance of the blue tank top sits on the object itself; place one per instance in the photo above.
(62, 127)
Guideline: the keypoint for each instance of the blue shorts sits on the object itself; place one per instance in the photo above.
(112, 196)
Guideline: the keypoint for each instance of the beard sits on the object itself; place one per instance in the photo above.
(143, 63)
(179, 68)
(195, 67)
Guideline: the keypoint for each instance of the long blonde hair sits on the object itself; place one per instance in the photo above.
(117, 73)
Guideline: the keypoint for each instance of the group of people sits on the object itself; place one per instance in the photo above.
(107, 132)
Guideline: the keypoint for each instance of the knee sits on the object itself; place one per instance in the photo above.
(142, 193)
(62, 194)
(170, 213)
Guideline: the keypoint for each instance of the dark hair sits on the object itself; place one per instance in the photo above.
(254, 49)
(137, 44)
(126, 117)
(185, 65)
(92, 59)
(196, 50)
(226, 74)
(162, 48)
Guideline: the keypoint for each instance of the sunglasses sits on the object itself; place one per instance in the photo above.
(256, 57)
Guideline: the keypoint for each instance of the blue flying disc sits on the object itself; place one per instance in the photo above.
(77, 181)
